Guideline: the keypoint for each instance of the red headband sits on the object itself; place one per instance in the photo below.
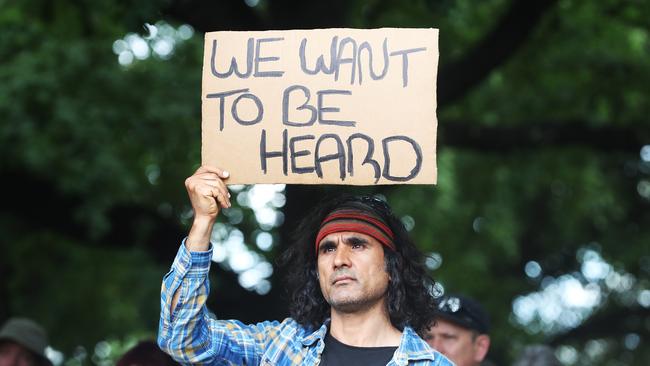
(356, 221)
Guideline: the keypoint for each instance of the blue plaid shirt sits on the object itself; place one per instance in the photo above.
(190, 336)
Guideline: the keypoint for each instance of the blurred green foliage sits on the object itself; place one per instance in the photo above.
(94, 154)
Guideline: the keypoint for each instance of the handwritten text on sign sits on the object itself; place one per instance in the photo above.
(329, 106)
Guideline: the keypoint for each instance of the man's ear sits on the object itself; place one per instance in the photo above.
(481, 347)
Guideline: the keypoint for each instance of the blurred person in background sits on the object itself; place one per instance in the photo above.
(537, 355)
(146, 353)
(460, 330)
(23, 343)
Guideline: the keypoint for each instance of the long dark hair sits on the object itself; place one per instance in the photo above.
(409, 298)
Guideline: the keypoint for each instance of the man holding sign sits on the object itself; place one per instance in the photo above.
(329, 106)
(359, 291)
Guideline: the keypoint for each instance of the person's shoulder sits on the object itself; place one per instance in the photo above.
(287, 327)
(418, 352)
(412, 341)
(290, 325)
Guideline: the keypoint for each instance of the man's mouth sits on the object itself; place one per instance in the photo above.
(342, 280)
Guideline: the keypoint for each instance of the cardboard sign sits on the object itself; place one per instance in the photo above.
(326, 106)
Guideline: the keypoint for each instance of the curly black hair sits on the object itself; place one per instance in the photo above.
(409, 298)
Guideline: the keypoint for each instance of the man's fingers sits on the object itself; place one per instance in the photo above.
(195, 182)
(208, 176)
(222, 199)
(211, 169)
(220, 195)
(205, 177)
(209, 188)
(213, 180)
(208, 181)
(219, 185)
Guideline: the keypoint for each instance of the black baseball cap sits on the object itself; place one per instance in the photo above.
(463, 311)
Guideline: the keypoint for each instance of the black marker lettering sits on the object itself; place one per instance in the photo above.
(322, 109)
(295, 154)
(222, 97)
(320, 63)
(405, 62)
(348, 60)
(369, 152)
(285, 107)
(258, 104)
(366, 46)
(273, 154)
(258, 59)
(233, 63)
(340, 155)
(418, 158)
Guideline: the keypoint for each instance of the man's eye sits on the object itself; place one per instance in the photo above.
(357, 244)
(325, 248)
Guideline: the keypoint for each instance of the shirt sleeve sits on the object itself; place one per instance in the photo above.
(188, 334)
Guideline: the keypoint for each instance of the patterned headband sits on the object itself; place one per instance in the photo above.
(358, 221)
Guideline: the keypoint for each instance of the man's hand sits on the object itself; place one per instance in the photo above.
(208, 194)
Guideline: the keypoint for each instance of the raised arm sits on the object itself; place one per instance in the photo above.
(184, 330)
(208, 193)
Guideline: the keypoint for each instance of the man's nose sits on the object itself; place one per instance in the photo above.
(342, 257)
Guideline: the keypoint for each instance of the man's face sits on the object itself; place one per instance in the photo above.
(351, 270)
(13, 354)
(462, 346)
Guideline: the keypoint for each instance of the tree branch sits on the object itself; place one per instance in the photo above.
(534, 135)
(455, 79)
(207, 16)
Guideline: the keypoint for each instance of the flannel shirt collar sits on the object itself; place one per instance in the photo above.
(318, 335)
(411, 348)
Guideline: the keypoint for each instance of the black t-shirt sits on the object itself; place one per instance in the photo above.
(336, 353)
